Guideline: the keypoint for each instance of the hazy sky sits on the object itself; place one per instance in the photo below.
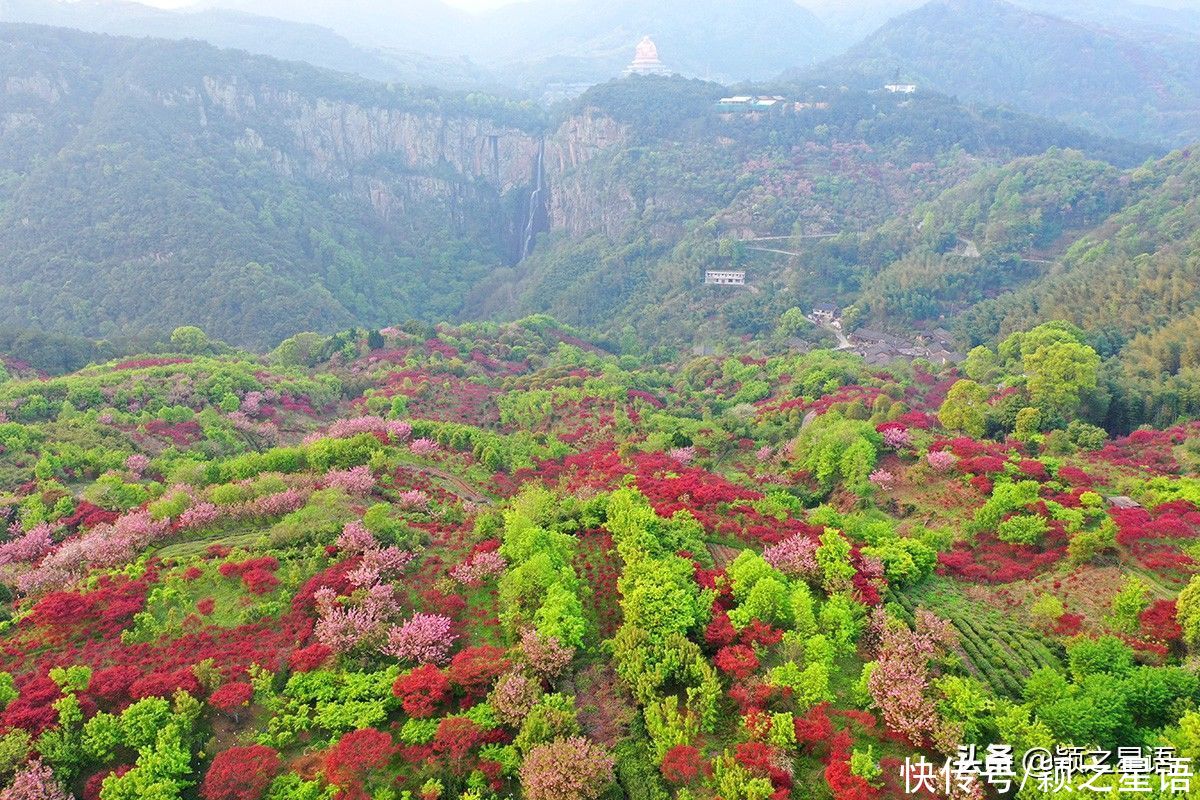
(470, 5)
(479, 5)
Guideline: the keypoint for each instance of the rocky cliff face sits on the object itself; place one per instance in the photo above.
(581, 200)
(395, 158)
(407, 166)
(334, 140)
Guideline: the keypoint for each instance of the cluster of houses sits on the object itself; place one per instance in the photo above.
(880, 348)
(758, 104)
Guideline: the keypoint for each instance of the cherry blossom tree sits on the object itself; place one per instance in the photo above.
(566, 769)
(424, 447)
(941, 460)
(479, 567)
(545, 654)
(424, 638)
(356, 539)
(882, 479)
(795, 556)
(357, 482)
(514, 695)
(900, 680)
(27, 547)
(35, 782)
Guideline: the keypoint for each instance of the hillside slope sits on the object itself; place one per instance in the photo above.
(500, 561)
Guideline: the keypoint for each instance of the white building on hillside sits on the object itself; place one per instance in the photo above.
(726, 277)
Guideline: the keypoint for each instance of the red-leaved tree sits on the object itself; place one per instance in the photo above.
(240, 773)
(422, 690)
(682, 764)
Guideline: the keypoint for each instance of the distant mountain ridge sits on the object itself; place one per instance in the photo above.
(1132, 84)
(525, 45)
(275, 37)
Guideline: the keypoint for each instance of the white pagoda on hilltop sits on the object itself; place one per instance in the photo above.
(645, 60)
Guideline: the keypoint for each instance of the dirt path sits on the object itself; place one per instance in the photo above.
(463, 488)
(843, 342)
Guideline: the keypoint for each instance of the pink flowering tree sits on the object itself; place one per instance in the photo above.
(199, 515)
(413, 499)
(137, 464)
(424, 639)
(344, 629)
(357, 482)
(424, 447)
(899, 682)
(795, 556)
(566, 769)
(478, 568)
(356, 539)
(940, 460)
(882, 479)
(27, 547)
(896, 438)
(35, 782)
(682, 455)
(545, 655)
(514, 696)
(395, 430)
(388, 561)
(103, 546)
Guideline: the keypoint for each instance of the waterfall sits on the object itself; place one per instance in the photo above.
(535, 200)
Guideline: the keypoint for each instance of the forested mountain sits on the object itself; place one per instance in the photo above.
(145, 180)
(1132, 273)
(147, 183)
(148, 180)
(651, 224)
(1125, 81)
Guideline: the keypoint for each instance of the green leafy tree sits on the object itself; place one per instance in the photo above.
(965, 408)
(1022, 529)
(1129, 603)
(1058, 375)
(834, 448)
(1187, 613)
(833, 559)
(190, 339)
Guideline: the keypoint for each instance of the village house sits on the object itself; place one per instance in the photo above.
(728, 277)
(826, 312)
